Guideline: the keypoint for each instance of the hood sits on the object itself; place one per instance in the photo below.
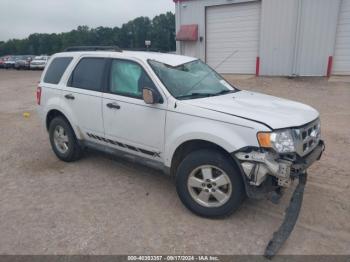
(272, 111)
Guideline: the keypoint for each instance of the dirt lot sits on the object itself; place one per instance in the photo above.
(102, 205)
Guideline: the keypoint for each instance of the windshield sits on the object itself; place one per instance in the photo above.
(191, 80)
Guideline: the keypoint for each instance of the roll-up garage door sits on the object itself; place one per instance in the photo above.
(230, 28)
(342, 44)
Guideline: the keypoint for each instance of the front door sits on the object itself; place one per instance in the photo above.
(130, 124)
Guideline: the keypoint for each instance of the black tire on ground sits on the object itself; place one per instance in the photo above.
(217, 159)
(74, 151)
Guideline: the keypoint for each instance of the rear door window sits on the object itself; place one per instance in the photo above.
(88, 74)
(56, 69)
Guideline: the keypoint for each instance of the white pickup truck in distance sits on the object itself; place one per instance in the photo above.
(177, 114)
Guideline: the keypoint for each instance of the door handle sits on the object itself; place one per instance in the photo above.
(113, 106)
(69, 96)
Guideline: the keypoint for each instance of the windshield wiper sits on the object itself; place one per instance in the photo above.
(195, 95)
(223, 92)
(199, 95)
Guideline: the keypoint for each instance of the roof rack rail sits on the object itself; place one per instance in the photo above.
(93, 48)
(145, 49)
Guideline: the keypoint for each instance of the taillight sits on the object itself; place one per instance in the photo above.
(38, 95)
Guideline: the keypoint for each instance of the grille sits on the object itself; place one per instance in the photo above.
(307, 137)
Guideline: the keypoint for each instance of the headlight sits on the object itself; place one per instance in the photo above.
(281, 141)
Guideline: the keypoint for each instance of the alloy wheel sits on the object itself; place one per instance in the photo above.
(209, 186)
(60, 139)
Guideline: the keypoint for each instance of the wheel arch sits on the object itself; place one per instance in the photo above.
(193, 145)
(52, 113)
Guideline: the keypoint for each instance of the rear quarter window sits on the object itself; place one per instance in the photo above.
(56, 69)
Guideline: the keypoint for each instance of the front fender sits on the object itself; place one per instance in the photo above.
(228, 136)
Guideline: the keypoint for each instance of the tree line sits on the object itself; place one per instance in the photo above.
(132, 35)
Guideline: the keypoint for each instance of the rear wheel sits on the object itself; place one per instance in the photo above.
(63, 140)
(208, 184)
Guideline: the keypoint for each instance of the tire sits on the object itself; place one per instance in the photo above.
(71, 151)
(194, 166)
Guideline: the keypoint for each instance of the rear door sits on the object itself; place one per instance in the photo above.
(51, 83)
(130, 124)
(83, 98)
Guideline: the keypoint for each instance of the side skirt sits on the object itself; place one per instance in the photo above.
(135, 159)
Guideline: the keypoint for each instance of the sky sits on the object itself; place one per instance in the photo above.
(20, 18)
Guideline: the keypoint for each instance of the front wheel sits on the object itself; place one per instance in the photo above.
(209, 184)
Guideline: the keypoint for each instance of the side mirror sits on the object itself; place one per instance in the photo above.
(150, 96)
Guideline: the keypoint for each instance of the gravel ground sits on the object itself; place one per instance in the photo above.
(102, 205)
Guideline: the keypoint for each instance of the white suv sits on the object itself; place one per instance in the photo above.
(177, 114)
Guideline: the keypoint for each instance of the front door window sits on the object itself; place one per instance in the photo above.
(128, 78)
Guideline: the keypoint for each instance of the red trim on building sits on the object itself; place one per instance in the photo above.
(187, 33)
(257, 70)
(330, 66)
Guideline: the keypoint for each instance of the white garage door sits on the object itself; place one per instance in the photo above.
(231, 28)
(342, 44)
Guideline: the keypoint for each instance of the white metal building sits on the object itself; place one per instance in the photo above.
(267, 37)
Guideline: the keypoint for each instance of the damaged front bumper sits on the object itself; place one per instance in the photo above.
(266, 173)
(290, 219)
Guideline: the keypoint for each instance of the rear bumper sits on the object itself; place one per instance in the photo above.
(21, 66)
(37, 66)
(9, 65)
